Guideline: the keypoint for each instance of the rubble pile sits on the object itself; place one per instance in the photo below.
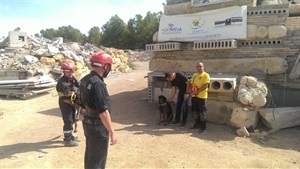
(36, 66)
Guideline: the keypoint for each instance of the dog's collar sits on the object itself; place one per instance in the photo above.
(162, 104)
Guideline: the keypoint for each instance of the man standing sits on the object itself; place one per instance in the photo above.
(199, 89)
(97, 123)
(65, 88)
(179, 81)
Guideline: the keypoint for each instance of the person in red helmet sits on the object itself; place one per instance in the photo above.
(65, 87)
(97, 123)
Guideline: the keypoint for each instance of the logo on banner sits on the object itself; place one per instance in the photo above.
(198, 23)
(233, 21)
(172, 29)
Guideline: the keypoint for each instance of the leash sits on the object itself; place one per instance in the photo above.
(73, 97)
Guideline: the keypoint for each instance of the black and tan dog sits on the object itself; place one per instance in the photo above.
(165, 110)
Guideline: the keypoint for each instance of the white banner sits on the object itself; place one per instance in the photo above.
(225, 23)
(206, 2)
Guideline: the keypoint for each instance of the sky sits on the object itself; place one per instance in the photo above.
(32, 16)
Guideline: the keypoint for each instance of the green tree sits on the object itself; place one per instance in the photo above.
(70, 34)
(49, 33)
(94, 36)
(133, 28)
(147, 29)
(115, 32)
(141, 30)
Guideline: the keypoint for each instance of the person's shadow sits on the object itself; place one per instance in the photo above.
(10, 151)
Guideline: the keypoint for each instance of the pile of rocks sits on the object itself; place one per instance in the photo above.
(42, 57)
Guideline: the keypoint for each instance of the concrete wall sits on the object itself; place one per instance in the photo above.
(270, 60)
(17, 39)
(177, 7)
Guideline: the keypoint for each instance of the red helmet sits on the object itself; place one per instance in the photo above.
(101, 59)
(67, 67)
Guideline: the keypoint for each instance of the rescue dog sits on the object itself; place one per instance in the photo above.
(79, 108)
(165, 110)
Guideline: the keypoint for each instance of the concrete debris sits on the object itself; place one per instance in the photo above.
(279, 118)
(26, 88)
(34, 58)
(246, 117)
(252, 92)
(243, 132)
(295, 73)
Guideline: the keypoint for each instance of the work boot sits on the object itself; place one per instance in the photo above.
(201, 131)
(71, 143)
(196, 125)
(75, 138)
(175, 122)
(182, 124)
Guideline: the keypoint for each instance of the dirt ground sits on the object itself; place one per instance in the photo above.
(31, 136)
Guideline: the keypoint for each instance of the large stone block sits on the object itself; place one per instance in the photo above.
(269, 65)
(275, 32)
(186, 7)
(279, 118)
(295, 73)
(47, 61)
(261, 32)
(251, 31)
(271, 2)
(244, 117)
(219, 111)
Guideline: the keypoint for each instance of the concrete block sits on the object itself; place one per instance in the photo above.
(242, 116)
(268, 65)
(17, 39)
(276, 32)
(261, 32)
(222, 85)
(295, 73)
(219, 111)
(279, 118)
(251, 31)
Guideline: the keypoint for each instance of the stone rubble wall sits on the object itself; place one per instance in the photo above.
(272, 50)
(185, 7)
(270, 53)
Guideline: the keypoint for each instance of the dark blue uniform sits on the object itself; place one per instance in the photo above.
(180, 82)
(65, 86)
(95, 99)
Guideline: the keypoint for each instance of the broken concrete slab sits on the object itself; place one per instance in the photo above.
(295, 72)
(268, 65)
(279, 118)
(27, 87)
(244, 117)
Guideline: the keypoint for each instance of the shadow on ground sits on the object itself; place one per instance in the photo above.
(131, 108)
(11, 151)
